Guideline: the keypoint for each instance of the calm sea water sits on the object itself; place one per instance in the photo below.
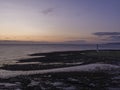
(9, 53)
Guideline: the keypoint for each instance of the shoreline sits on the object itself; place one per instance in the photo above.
(51, 60)
(88, 69)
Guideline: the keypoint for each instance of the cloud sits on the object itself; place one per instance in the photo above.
(42, 42)
(48, 11)
(106, 33)
(75, 42)
(115, 38)
(108, 36)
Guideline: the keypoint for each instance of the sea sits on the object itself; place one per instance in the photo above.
(11, 52)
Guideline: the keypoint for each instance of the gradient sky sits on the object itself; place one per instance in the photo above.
(58, 20)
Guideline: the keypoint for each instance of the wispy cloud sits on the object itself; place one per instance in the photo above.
(75, 42)
(106, 33)
(108, 36)
(115, 38)
(48, 11)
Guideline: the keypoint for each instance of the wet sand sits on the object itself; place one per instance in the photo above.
(81, 80)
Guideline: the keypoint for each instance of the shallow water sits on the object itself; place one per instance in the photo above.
(9, 53)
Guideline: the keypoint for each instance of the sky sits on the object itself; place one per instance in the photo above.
(60, 20)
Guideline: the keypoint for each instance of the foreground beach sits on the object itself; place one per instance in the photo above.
(70, 70)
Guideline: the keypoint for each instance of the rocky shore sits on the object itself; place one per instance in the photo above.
(70, 70)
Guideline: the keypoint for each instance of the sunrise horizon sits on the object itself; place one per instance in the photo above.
(59, 21)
